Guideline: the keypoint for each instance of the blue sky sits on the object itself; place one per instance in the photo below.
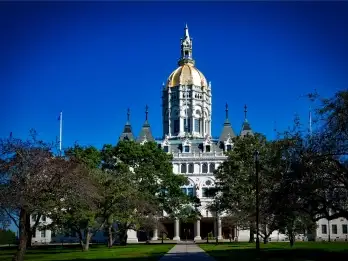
(94, 60)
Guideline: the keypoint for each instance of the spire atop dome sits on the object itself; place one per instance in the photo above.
(127, 133)
(186, 32)
(186, 49)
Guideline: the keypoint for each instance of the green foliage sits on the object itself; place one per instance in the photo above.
(236, 177)
(7, 237)
(90, 155)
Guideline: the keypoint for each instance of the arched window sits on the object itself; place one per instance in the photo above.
(208, 191)
(183, 168)
(205, 168)
(212, 167)
(191, 168)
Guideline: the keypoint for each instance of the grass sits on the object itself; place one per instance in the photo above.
(141, 252)
(301, 251)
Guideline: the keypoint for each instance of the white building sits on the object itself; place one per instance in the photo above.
(186, 118)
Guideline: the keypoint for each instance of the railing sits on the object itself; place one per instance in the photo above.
(198, 155)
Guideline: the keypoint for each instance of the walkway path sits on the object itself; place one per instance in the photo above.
(186, 251)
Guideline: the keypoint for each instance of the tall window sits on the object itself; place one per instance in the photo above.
(197, 125)
(188, 191)
(191, 168)
(205, 168)
(34, 233)
(207, 148)
(334, 229)
(176, 126)
(188, 126)
(323, 229)
(212, 167)
(183, 168)
(208, 192)
(43, 233)
(229, 147)
(166, 148)
(344, 229)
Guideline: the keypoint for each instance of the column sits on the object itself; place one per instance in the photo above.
(132, 236)
(169, 113)
(176, 229)
(197, 230)
(219, 229)
(155, 234)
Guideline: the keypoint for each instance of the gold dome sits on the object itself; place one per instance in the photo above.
(186, 74)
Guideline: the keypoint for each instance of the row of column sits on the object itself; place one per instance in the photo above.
(197, 230)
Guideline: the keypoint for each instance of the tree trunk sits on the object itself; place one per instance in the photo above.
(291, 238)
(88, 238)
(265, 239)
(110, 239)
(29, 231)
(251, 235)
(23, 236)
(80, 239)
(123, 237)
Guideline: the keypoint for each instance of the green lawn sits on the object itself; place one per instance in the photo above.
(137, 252)
(302, 251)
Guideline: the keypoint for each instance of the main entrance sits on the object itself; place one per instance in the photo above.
(187, 231)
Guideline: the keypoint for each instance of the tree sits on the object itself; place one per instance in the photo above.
(154, 187)
(7, 237)
(329, 160)
(83, 216)
(236, 182)
(319, 159)
(34, 181)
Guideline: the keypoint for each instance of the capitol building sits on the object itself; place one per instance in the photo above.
(186, 118)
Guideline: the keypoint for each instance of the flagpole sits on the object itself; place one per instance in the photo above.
(60, 132)
(310, 121)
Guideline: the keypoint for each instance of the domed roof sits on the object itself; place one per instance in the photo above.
(186, 74)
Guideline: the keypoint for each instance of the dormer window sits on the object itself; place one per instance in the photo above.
(186, 148)
(228, 147)
(207, 148)
(166, 148)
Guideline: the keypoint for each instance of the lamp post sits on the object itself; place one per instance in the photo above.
(163, 194)
(256, 158)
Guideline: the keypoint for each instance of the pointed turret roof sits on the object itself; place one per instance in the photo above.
(127, 133)
(145, 132)
(246, 129)
(227, 131)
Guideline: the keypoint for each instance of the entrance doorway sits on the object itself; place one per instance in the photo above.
(186, 231)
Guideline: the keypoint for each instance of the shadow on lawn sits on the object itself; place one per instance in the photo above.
(51, 252)
(277, 254)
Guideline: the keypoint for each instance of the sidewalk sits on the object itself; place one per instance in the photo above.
(186, 251)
